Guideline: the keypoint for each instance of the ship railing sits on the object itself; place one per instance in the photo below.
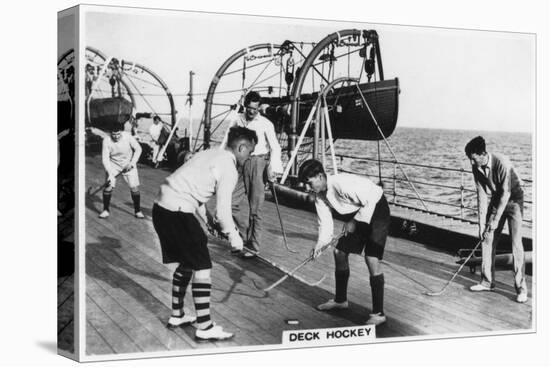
(391, 184)
(392, 187)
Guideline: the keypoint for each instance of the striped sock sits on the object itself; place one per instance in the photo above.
(179, 286)
(201, 297)
(341, 279)
(106, 199)
(136, 199)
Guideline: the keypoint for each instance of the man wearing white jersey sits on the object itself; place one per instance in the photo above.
(264, 163)
(183, 193)
(120, 154)
(365, 231)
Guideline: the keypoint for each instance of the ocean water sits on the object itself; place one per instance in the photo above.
(439, 150)
(436, 148)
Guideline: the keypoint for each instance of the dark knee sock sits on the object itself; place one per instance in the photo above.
(180, 282)
(377, 289)
(106, 199)
(341, 277)
(201, 297)
(136, 199)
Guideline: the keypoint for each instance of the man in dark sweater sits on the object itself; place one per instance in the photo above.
(500, 199)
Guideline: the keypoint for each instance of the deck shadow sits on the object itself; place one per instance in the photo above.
(441, 271)
(106, 266)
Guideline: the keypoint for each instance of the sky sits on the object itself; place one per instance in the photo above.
(449, 78)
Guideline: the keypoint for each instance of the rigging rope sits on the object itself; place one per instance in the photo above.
(144, 99)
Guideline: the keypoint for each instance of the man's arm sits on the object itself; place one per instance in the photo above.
(227, 178)
(232, 122)
(326, 225)
(503, 191)
(275, 163)
(137, 151)
(482, 203)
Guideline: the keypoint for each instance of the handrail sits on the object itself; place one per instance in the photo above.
(394, 179)
(412, 164)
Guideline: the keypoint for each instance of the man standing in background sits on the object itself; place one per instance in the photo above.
(155, 131)
(494, 175)
(265, 162)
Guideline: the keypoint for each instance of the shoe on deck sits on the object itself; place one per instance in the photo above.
(175, 321)
(522, 297)
(376, 319)
(104, 214)
(481, 288)
(214, 333)
(332, 305)
(139, 215)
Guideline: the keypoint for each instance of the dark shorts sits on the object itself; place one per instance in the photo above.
(182, 239)
(369, 237)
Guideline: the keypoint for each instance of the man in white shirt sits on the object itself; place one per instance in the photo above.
(366, 230)
(120, 154)
(265, 162)
(184, 193)
(155, 130)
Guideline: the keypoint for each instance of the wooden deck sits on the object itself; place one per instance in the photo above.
(128, 289)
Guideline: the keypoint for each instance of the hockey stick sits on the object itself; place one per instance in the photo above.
(103, 186)
(281, 219)
(287, 272)
(456, 272)
(307, 260)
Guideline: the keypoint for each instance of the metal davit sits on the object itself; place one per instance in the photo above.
(257, 67)
(121, 90)
(367, 110)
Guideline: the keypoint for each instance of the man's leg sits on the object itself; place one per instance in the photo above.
(341, 277)
(201, 289)
(180, 282)
(515, 218)
(155, 151)
(378, 231)
(238, 209)
(136, 199)
(107, 193)
(256, 198)
(376, 284)
(132, 180)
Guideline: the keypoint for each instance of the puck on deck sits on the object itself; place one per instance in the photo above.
(292, 321)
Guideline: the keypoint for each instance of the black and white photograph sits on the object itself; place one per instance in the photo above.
(276, 183)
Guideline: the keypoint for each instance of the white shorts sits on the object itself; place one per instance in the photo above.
(131, 177)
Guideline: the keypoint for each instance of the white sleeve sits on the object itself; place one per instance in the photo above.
(224, 190)
(325, 221)
(275, 149)
(136, 148)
